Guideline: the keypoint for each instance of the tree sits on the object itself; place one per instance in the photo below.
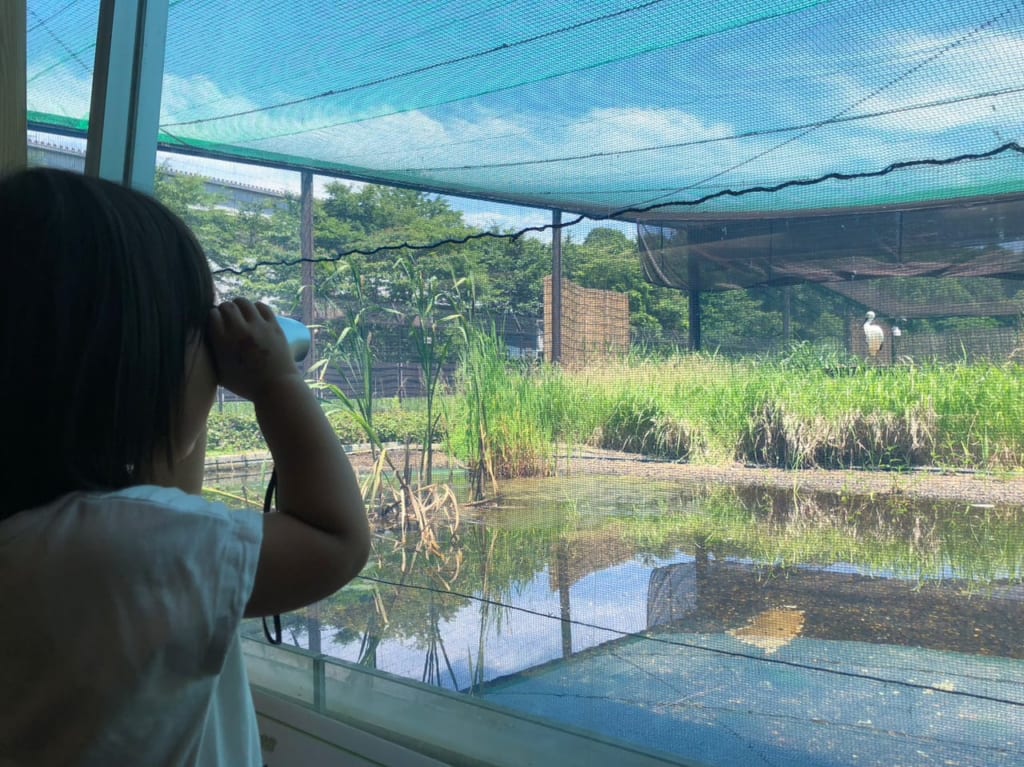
(379, 221)
(608, 260)
(239, 235)
(510, 275)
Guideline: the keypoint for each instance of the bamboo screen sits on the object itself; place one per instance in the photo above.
(594, 323)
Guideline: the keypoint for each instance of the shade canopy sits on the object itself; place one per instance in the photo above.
(862, 255)
(705, 108)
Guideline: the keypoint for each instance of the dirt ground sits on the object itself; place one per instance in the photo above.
(969, 487)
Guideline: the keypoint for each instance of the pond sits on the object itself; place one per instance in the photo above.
(728, 625)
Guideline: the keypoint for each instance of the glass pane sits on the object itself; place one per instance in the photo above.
(786, 555)
(61, 53)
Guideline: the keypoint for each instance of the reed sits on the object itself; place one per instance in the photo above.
(509, 419)
(500, 431)
(430, 318)
(958, 415)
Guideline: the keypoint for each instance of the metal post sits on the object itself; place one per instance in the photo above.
(693, 278)
(556, 286)
(787, 312)
(13, 126)
(124, 115)
(564, 597)
(319, 684)
(306, 246)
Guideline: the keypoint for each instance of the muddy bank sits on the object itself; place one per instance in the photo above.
(979, 488)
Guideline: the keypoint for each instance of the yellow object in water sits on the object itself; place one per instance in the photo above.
(771, 629)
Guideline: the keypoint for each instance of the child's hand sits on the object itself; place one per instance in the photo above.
(249, 348)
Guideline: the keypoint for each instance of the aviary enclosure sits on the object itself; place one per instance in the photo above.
(815, 551)
(744, 522)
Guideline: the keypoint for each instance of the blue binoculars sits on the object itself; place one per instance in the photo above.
(298, 335)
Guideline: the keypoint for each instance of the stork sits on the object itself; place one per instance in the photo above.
(874, 336)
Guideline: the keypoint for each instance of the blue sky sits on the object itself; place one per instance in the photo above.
(608, 102)
(480, 213)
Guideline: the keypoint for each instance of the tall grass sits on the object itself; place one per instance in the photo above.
(494, 423)
(509, 419)
(710, 410)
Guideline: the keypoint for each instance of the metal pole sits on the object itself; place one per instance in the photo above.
(306, 246)
(787, 312)
(693, 278)
(124, 114)
(556, 286)
(13, 126)
(564, 596)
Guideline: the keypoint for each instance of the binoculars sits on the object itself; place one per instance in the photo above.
(299, 337)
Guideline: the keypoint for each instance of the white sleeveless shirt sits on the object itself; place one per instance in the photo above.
(119, 639)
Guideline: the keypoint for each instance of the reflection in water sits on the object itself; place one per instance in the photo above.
(671, 594)
(561, 575)
(557, 568)
(771, 629)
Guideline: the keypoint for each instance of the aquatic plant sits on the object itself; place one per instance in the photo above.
(509, 419)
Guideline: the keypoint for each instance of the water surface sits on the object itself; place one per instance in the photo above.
(717, 623)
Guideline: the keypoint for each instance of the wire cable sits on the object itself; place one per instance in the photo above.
(67, 49)
(268, 504)
(394, 41)
(1010, 146)
(43, 22)
(425, 68)
(953, 44)
(490, 91)
(706, 141)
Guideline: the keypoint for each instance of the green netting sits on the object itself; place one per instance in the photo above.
(594, 107)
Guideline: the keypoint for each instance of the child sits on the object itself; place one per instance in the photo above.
(121, 588)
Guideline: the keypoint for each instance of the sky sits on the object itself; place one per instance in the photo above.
(608, 104)
(480, 213)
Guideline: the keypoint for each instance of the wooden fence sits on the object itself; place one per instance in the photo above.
(595, 323)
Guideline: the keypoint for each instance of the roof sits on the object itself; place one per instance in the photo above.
(607, 108)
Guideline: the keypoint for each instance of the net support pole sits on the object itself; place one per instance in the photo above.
(306, 251)
(13, 126)
(693, 283)
(556, 286)
(564, 596)
(787, 312)
(124, 114)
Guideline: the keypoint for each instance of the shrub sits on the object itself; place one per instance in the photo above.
(233, 430)
(393, 425)
(638, 424)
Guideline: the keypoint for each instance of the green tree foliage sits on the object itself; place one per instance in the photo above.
(608, 260)
(508, 273)
(510, 276)
(735, 318)
(385, 218)
(238, 235)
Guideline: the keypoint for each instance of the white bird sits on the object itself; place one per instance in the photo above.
(873, 335)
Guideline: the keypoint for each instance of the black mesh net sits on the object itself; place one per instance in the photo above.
(874, 259)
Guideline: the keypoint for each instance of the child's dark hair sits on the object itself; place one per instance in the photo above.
(104, 290)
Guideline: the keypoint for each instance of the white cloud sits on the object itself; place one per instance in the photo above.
(987, 62)
(187, 98)
(487, 219)
(414, 139)
(617, 129)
